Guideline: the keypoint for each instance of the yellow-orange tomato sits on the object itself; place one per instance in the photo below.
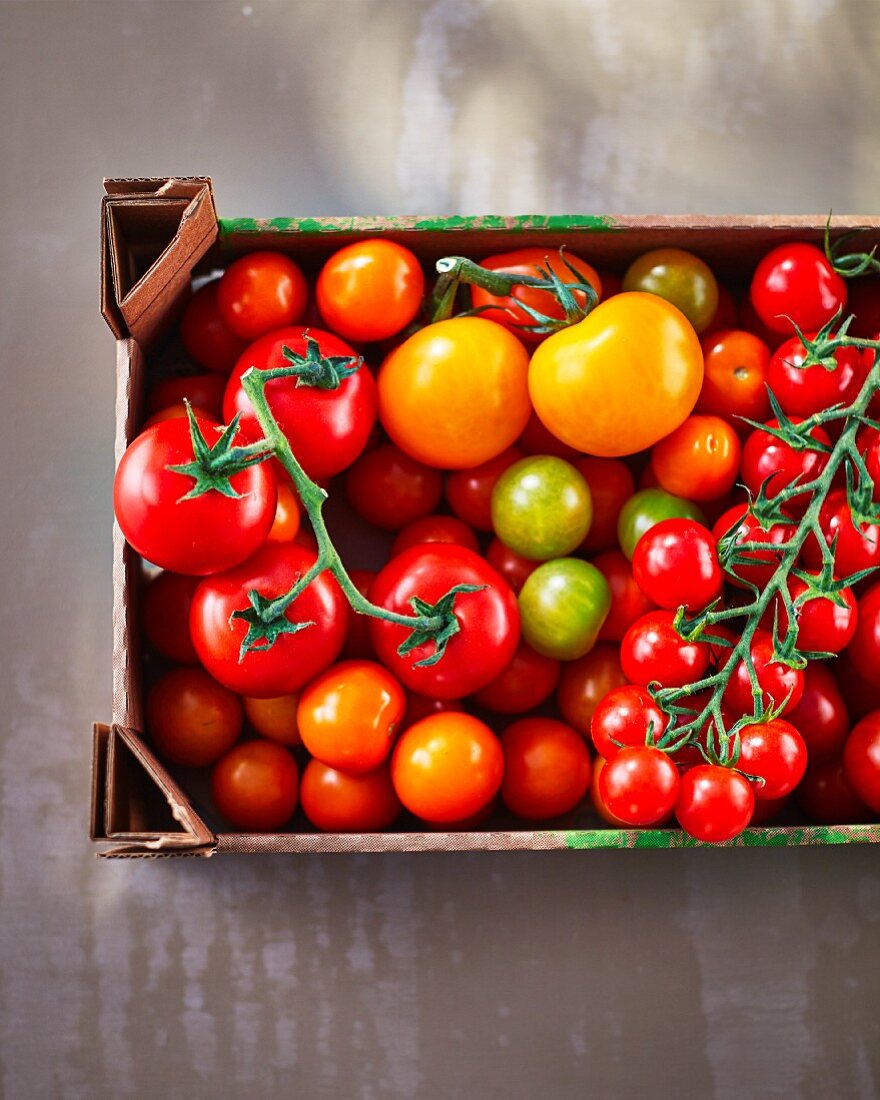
(621, 379)
(455, 394)
(341, 803)
(348, 716)
(285, 526)
(274, 718)
(699, 460)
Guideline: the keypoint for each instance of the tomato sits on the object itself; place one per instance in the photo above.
(191, 719)
(295, 657)
(563, 604)
(624, 717)
(611, 485)
(469, 492)
(488, 620)
(802, 391)
(599, 765)
(861, 695)
(546, 768)
(602, 391)
(535, 439)
(680, 278)
(823, 626)
(357, 642)
(261, 292)
(628, 601)
(735, 381)
(525, 683)
(751, 322)
(275, 718)
(714, 804)
(825, 795)
(255, 785)
(869, 446)
(775, 752)
(422, 706)
(652, 650)
(165, 616)
(176, 412)
(204, 335)
(389, 489)
(327, 421)
(821, 716)
(646, 508)
(285, 526)
(447, 767)
(864, 650)
(739, 524)
(455, 394)
(864, 304)
(435, 529)
(795, 283)
(768, 809)
(861, 760)
(777, 681)
(370, 289)
(639, 786)
(726, 315)
(585, 683)
(203, 391)
(349, 715)
(699, 460)
(337, 802)
(198, 536)
(526, 261)
(514, 568)
(541, 507)
(676, 565)
(765, 457)
(856, 548)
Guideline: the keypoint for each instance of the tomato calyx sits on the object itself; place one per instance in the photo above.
(849, 265)
(214, 465)
(437, 623)
(266, 618)
(323, 372)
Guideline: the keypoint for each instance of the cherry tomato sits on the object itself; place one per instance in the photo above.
(775, 752)
(861, 695)
(176, 412)
(285, 526)
(525, 683)
(679, 277)
(768, 809)
(488, 620)
(370, 290)
(726, 315)
(357, 642)
(338, 802)
(825, 795)
(796, 284)
(675, 564)
(699, 460)
(739, 524)
(514, 568)
(327, 425)
(777, 681)
(469, 492)
(864, 650)
(856, 548)
(861, 760)
(527, 261)
(541, 507)
(261, 292)
(802, 391)
(714, 804)
(821, 716)
(639, 786)
(535, 439)
(563, 604)
(165, 616)
(628, 601)
(204, 335)
(611, 485)
(389, 489)
(606, 394)
(869, 446)
(435, 529)
(275, 718)
(295, 657)
(200, 535)
(447, 767)
(751, 322)
(646, 508)
(735, 382)
(624, 717)
(192, 720)
(652, 650)
(585, 683)
(823, 626)
(599, 765)
(422, 706)
(203, 391)
(349, 715)
(546, 768)
(765, 457)
(254, 786)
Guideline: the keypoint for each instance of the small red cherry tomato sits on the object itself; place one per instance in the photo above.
(676, 564)
(546, 768)
(515, 569)
(204, 335)
(191, 719)
(861, 760)
(739, 524)
(825, 795)
(524, 683)
(714, 804)
(775, 752)
(699, 460)
(856, 548)
(274, 718)
(778, 683)
(261, 292)
(254, 786)
(165, 616)
(640, 785)
(337, 802)
(765, 457)
(735, 379)
(802, 391)
(626, 716)
(536, 439)
(864, 650)
(628, 601)
(584, 683)
(795, 283)
(435, 529)
(726, 315)
(422, 706)
(611, 485)
(389, 489)
(823, 625)
(203, 391)
(653, 650)
(821, 716)
(469, 492)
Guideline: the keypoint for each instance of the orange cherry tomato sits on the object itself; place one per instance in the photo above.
(174, 412)
(515, 569)
(546, 768)
(735, 382)
(611, 484)
(606, 392)
(469, 492)
(255, 786)
(285, 526)
(585, 682)
(338, 802)
(447, 767)
(455, 394)
(349, 715)
(370, 290)
(527, 681)
(192, 720)
(261, 292)
(526, 261)
(628, 601)
(699, 460)
(357, 644)
(275, 718)
(435, 529)
(204, 335)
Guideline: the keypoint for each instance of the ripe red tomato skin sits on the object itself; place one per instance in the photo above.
(764, 457)
(585, 682)
(514, 568)
(165, 616)
(856, 549)
(357, 642)
(714, 804)
(734, 384)
(536, 439)
(775, 752)
(823, 626)
(796, 283)
(524, 683)
(435, 529)
(192, 720)
(749, 530)
(611, 484)
(337, 802)
(777, 681)
(639, 786)
(489, 620)
(861, 760)
(260, 292)
(821, 715)
(622, 719)
(203, 391)
(676, 564)
(204, 335)
(864, 650)
(389, 489)
(469, 492)
(628, 601)
(255, 786)
(547, 768)
(652, 650)
(825, 795)
(804, 391)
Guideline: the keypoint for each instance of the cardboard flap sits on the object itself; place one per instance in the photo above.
(153, 233)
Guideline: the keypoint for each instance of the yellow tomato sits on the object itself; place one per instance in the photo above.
(455, 394)
(621, 379)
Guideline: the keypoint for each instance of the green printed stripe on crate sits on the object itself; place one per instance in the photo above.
(782, 837)
(597, 223)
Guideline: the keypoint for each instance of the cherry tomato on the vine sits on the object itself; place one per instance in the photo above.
(255, 786)
(714, 803)
(653, 650)
(855, 548)
(795, 284)
(802, 391)
(204, 334)
(646, 508)
(779, 684)
(766, 457)
(626, 716)
(546, 768)
(192, 720)
(681, 278)
(699, 460)
(640, 785)
(823, 625)
(735, 382)
(775, 752)
(738, 524)
(675, 564)
(260, 292)
(389, 489)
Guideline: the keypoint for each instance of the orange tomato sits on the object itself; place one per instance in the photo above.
(285, 526)
(699, 460)
(546, 768)
(616, 382)
(337, 802)
(260, 292)
(192, 720)
(274, 718)
(455, 394)
(735, 382)
(585, 682)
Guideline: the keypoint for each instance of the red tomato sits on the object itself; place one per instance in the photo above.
(514, 568)
(652, 650)
(765, 456)
(176, 412)
(726, 315)
(869, 445)
(422, 706)
(165, 616)
(825, 795)
(767, 809)
(536, 439)
(327, 428)
(640, 785)
(699, 460)
(628, 601)
(275, 718)
(285, 526)
(856, 548)
(584, 684)
(735, 379)
(802, 391)
(738, 523)
(675, 564)
(261, 292)
(864, 650)
(751, 322)
(624, 717)
(546, 768)
(821, 716)
(525, 683)
(389, 489)
(861, 696)
(469, 492)
(861, 760)
(357, 643)
(447, 767)
(295, 657)
(254, 786)
(435, 529)
(197, 536)
(796, 283)
(864, 304)
(599, 765)
(203, 391)
(822, 625)
(488, 620)
(777, 682)
(611, 485)
(204, 335)
(775, 752)
(714, 804)
(337, 802)
(191, 719)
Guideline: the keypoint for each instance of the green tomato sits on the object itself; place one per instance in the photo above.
(681, 278)
(541, 508)
(647, 507)
(562, 607)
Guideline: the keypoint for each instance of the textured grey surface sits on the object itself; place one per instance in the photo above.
(611, 974)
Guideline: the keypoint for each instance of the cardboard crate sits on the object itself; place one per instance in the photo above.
(155, 234)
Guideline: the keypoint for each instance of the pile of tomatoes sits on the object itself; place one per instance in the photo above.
(576, 484)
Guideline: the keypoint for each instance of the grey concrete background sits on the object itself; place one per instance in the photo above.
(612, 974)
